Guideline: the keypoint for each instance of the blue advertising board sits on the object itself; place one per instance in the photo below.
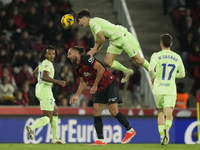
(81, 130)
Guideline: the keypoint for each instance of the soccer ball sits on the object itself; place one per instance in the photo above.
(67, 21)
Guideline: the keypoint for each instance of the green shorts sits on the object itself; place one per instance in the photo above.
(130, 45)
(45, 96)
(165, 100)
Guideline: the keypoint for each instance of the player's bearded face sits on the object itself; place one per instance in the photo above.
(74, 59)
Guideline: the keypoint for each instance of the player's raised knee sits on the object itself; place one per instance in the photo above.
(107, 63)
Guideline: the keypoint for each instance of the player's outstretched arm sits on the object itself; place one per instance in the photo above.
(98, 44)
(81, 87)
(100, 71)
(45, 77)
(181, 70)
(151, 71)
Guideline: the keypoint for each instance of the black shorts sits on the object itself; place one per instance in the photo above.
(109, 95)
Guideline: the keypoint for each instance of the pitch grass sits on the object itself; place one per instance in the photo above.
(106, 147)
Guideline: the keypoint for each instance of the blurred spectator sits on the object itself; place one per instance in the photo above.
(18, 61)
(11, 30)
(4, 43)
(64, 102)
(17, 3)
(186, 48)
(188, 27)
(196, 14)
(53, 15)
(6, 73)
(29, 59)
(28, 95)
(6, 92)
(182, 96)
(196, 83)
(57, 40)
(69, 88)
(134, 86)
(18, 19)
(76, 41)
(181, 23)
(49, 31)
(89, 41)
(23, 75)
(119, 75)
(19, 98)
(170, 5)
(38, 43)
(25, 42)
(4, 58)
(83, 103)
(46, 5)
(64, 7)
(66, 71)
(33, 20)
(194, 58)
(3, 17)
(60, 65)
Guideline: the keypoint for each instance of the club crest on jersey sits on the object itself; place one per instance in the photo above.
(87, 74)
(91, 60)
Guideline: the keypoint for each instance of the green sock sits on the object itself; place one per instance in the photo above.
(40, 123)
(168, 123)
(117, 66)
(146, 64)
(54, 127)
(160, 129)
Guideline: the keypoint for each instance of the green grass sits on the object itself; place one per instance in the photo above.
(106, 147)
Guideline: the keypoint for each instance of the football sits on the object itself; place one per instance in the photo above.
(67, 21)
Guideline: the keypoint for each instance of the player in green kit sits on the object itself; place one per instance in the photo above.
(169, 66)
(45, 76)
(120, 39)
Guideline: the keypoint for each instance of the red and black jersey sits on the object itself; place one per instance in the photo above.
(86, 70)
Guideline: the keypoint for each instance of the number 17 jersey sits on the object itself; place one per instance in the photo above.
(167, 63)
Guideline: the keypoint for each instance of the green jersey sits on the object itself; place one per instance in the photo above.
(110, 31)
(166, 63)
(46, 65)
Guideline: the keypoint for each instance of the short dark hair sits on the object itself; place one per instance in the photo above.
(79, 49)
(166, 39)
(44, 51)
(83, 13)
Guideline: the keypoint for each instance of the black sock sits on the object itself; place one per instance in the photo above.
(98, 123)
(122, 119)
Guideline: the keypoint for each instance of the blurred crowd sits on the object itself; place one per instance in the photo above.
(27, 25)
(185, 15)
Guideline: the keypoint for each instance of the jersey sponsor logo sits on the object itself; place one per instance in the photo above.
(46, 66)
(112, 99)
(164, 84)
(87, 74)
(91, 60)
